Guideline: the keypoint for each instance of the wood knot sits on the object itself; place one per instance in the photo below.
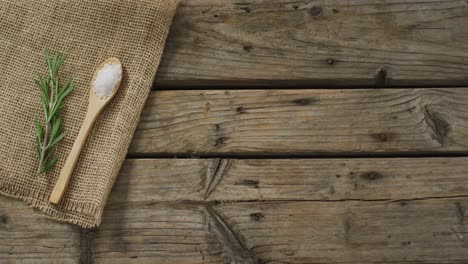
(406, 243)
(246, 9)
(438, 124)
(330, 61)
(315, 11)
(251, 183)
(372, 175)
(220, 141)
(257, 217)
(383, 137)
(247, 48)
(304, 101)
(3, 219)
(241, 110)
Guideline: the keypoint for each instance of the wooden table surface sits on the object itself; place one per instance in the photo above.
(284, 131)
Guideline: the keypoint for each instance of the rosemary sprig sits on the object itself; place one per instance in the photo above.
(52, 95)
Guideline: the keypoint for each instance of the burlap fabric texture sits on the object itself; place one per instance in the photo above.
(90, 31)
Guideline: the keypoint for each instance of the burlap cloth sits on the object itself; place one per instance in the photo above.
(90, 31)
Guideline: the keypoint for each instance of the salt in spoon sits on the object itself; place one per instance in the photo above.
(98, 99)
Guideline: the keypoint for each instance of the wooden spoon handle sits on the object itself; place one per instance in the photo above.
(67, 170)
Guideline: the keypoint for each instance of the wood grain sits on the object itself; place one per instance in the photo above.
(377, 210)
(432, 231)
(156, 233)
(316, 43)
(29, 238)
(342, 179)
(195, 180)
(155, 216)
(385, 121)
(429, 231)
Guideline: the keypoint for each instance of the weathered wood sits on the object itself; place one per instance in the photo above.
(143, 224)
(406, 210)
(169, 180)
(168, 211)
(156, 233)
(303, 122)
(432, 231)
(319, 43)
(28, 238)
(341, 179)
(159, 180)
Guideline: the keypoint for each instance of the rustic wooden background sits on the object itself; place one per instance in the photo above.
(287, 131)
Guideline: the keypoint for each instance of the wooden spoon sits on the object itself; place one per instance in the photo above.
(96, 105)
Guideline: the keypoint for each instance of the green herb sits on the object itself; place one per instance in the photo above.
(53, 93)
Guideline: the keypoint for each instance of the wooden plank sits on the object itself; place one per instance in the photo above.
(432, 231)
(342, 179)
(284, 43)
(156, 216)
(160, 180)
(169, 180)
(386, 121)
(27, 237)
(155, 233)
(227, 211)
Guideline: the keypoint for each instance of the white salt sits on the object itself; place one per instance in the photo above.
(106, 80)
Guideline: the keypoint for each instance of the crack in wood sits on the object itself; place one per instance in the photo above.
(215, 174)
(190, 203)
(86, 253)
(235, 250)
(428, 198)
(347, 226)
(460, 212)
(440, 127)
(459, 235)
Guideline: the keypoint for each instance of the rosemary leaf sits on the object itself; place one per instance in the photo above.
(57, 140)
(55, 129)
(49, 164)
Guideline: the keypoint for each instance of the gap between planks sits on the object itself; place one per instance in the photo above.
(231, 155)
(326, 84)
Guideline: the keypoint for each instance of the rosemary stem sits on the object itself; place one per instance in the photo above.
(45, 141)
(43, 148)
